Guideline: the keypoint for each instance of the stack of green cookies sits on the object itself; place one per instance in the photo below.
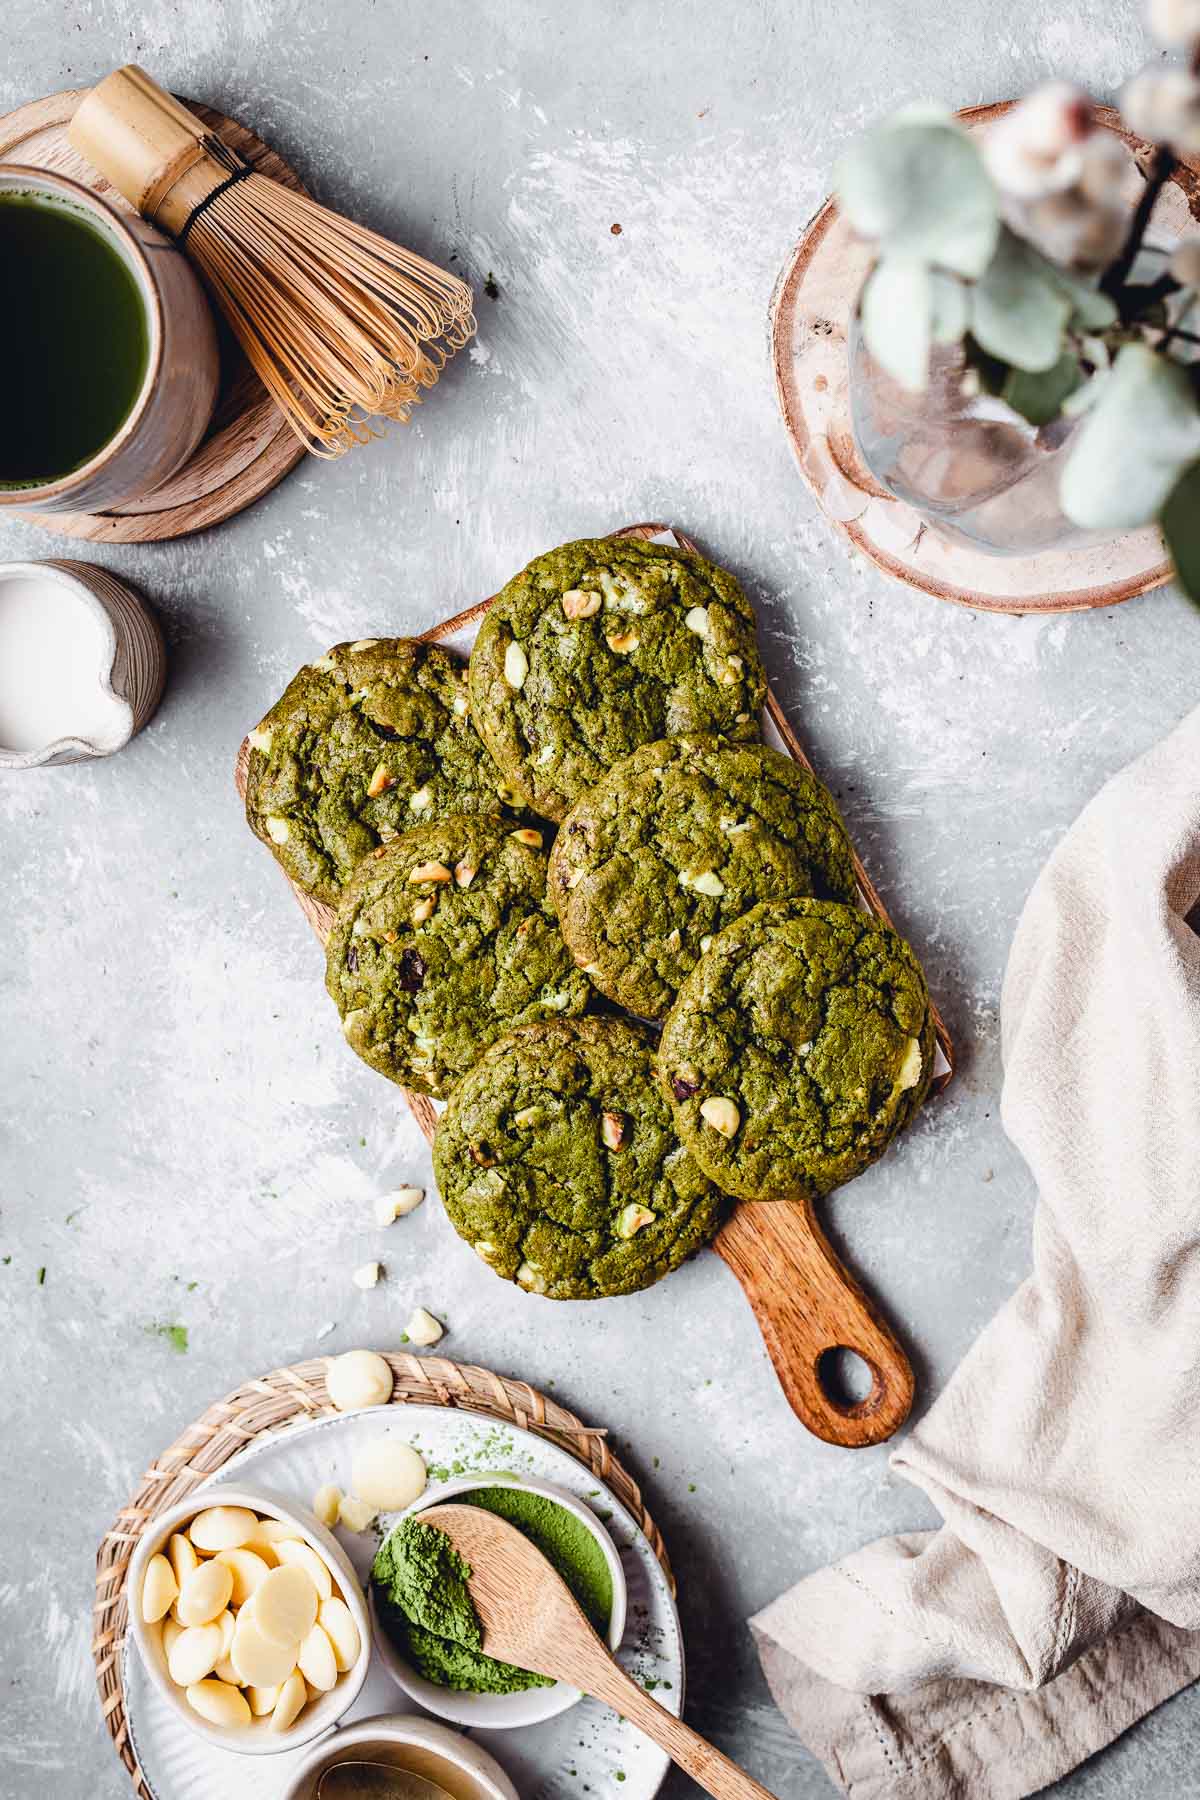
(698, 882)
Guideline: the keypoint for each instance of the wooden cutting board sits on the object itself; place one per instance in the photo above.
(806, 1301)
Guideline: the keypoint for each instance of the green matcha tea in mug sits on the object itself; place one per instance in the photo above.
(75, 339)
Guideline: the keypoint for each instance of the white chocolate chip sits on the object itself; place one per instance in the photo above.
(578, 603)
(222, 1528)
(367, 1275)
(460, 704)
(388, 1473)
(910, 1068)
(325, 1503)
(721, 1114)
(421, 801)
(464, 873)
(516, 665)
(159, 1589)
(325, 664)
(545, 755)
(622, 643)
(337, 1621)
(291, 1697)
(355, 1514)
(260, 738)
(706, 882)
(358, 1378)
(705, 941)
(219, 1703)
(428, 871)
(531, 1278)
(697, 620)
(528, 836)
(423, 1328)
(278, 830)
(424, 909)
(364, 643)
(397, 1205)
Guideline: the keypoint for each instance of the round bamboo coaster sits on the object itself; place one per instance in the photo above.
(248, 448)
(282, 1398)
(813, 302)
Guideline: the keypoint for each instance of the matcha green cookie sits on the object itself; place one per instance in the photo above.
(557, 1161)
(367, 741)
(443, 942)
(678, 841)
(603, 645)
(798, 1047)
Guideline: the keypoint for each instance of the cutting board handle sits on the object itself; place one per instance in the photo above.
(807, 1303)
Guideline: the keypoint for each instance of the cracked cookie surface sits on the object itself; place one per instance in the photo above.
(367, 741)
(558, 1163)
(443, 942)
(601, 646)
(677, 842)
(798, 1047)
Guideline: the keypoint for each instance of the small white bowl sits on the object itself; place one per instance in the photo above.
(130, 665)
(318, 1715)
(500, 1712)
(421, 1746)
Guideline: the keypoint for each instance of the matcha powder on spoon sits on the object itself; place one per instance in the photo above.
(420, 1584)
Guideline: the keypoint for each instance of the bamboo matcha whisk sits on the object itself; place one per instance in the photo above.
(340, 324)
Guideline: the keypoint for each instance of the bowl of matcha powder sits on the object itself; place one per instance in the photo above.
(426, 1628)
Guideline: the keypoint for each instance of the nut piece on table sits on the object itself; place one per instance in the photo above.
(423, 1328)
(397, 1205)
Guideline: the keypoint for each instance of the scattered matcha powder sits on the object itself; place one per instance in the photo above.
(175, 1335)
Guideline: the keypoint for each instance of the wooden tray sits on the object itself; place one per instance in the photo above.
(813, 302)
(249, 446)
(271, 1404)
(805, 1300)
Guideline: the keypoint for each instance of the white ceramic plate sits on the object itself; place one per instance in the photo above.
(588, 1747)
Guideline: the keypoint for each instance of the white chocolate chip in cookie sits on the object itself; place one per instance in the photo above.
(516, 665)
(721, 1114)
(910, 1068)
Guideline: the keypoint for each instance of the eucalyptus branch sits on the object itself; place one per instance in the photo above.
(1162, 166)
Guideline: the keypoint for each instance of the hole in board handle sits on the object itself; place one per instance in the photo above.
(848, 1381)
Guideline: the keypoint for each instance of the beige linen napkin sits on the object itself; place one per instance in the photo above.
(1056, 1604)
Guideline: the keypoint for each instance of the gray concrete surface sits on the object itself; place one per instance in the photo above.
(186, 1139)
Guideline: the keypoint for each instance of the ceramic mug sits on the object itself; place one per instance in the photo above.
(179, 389)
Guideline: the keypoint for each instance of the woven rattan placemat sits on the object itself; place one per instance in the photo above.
(279, 1399)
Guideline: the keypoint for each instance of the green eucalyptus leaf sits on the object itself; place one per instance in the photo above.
(1040, 397)
(896, 313)
(1134, 443)
(950, 308)
(920, 189)
(1019, 314)
(1090, 309)
(1180, 520)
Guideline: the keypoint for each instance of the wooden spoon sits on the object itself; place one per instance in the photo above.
(531, 1618)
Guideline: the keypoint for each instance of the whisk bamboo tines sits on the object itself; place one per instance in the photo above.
(341, 325)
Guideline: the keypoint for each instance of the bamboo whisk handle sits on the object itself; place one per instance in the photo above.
(153, 150)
